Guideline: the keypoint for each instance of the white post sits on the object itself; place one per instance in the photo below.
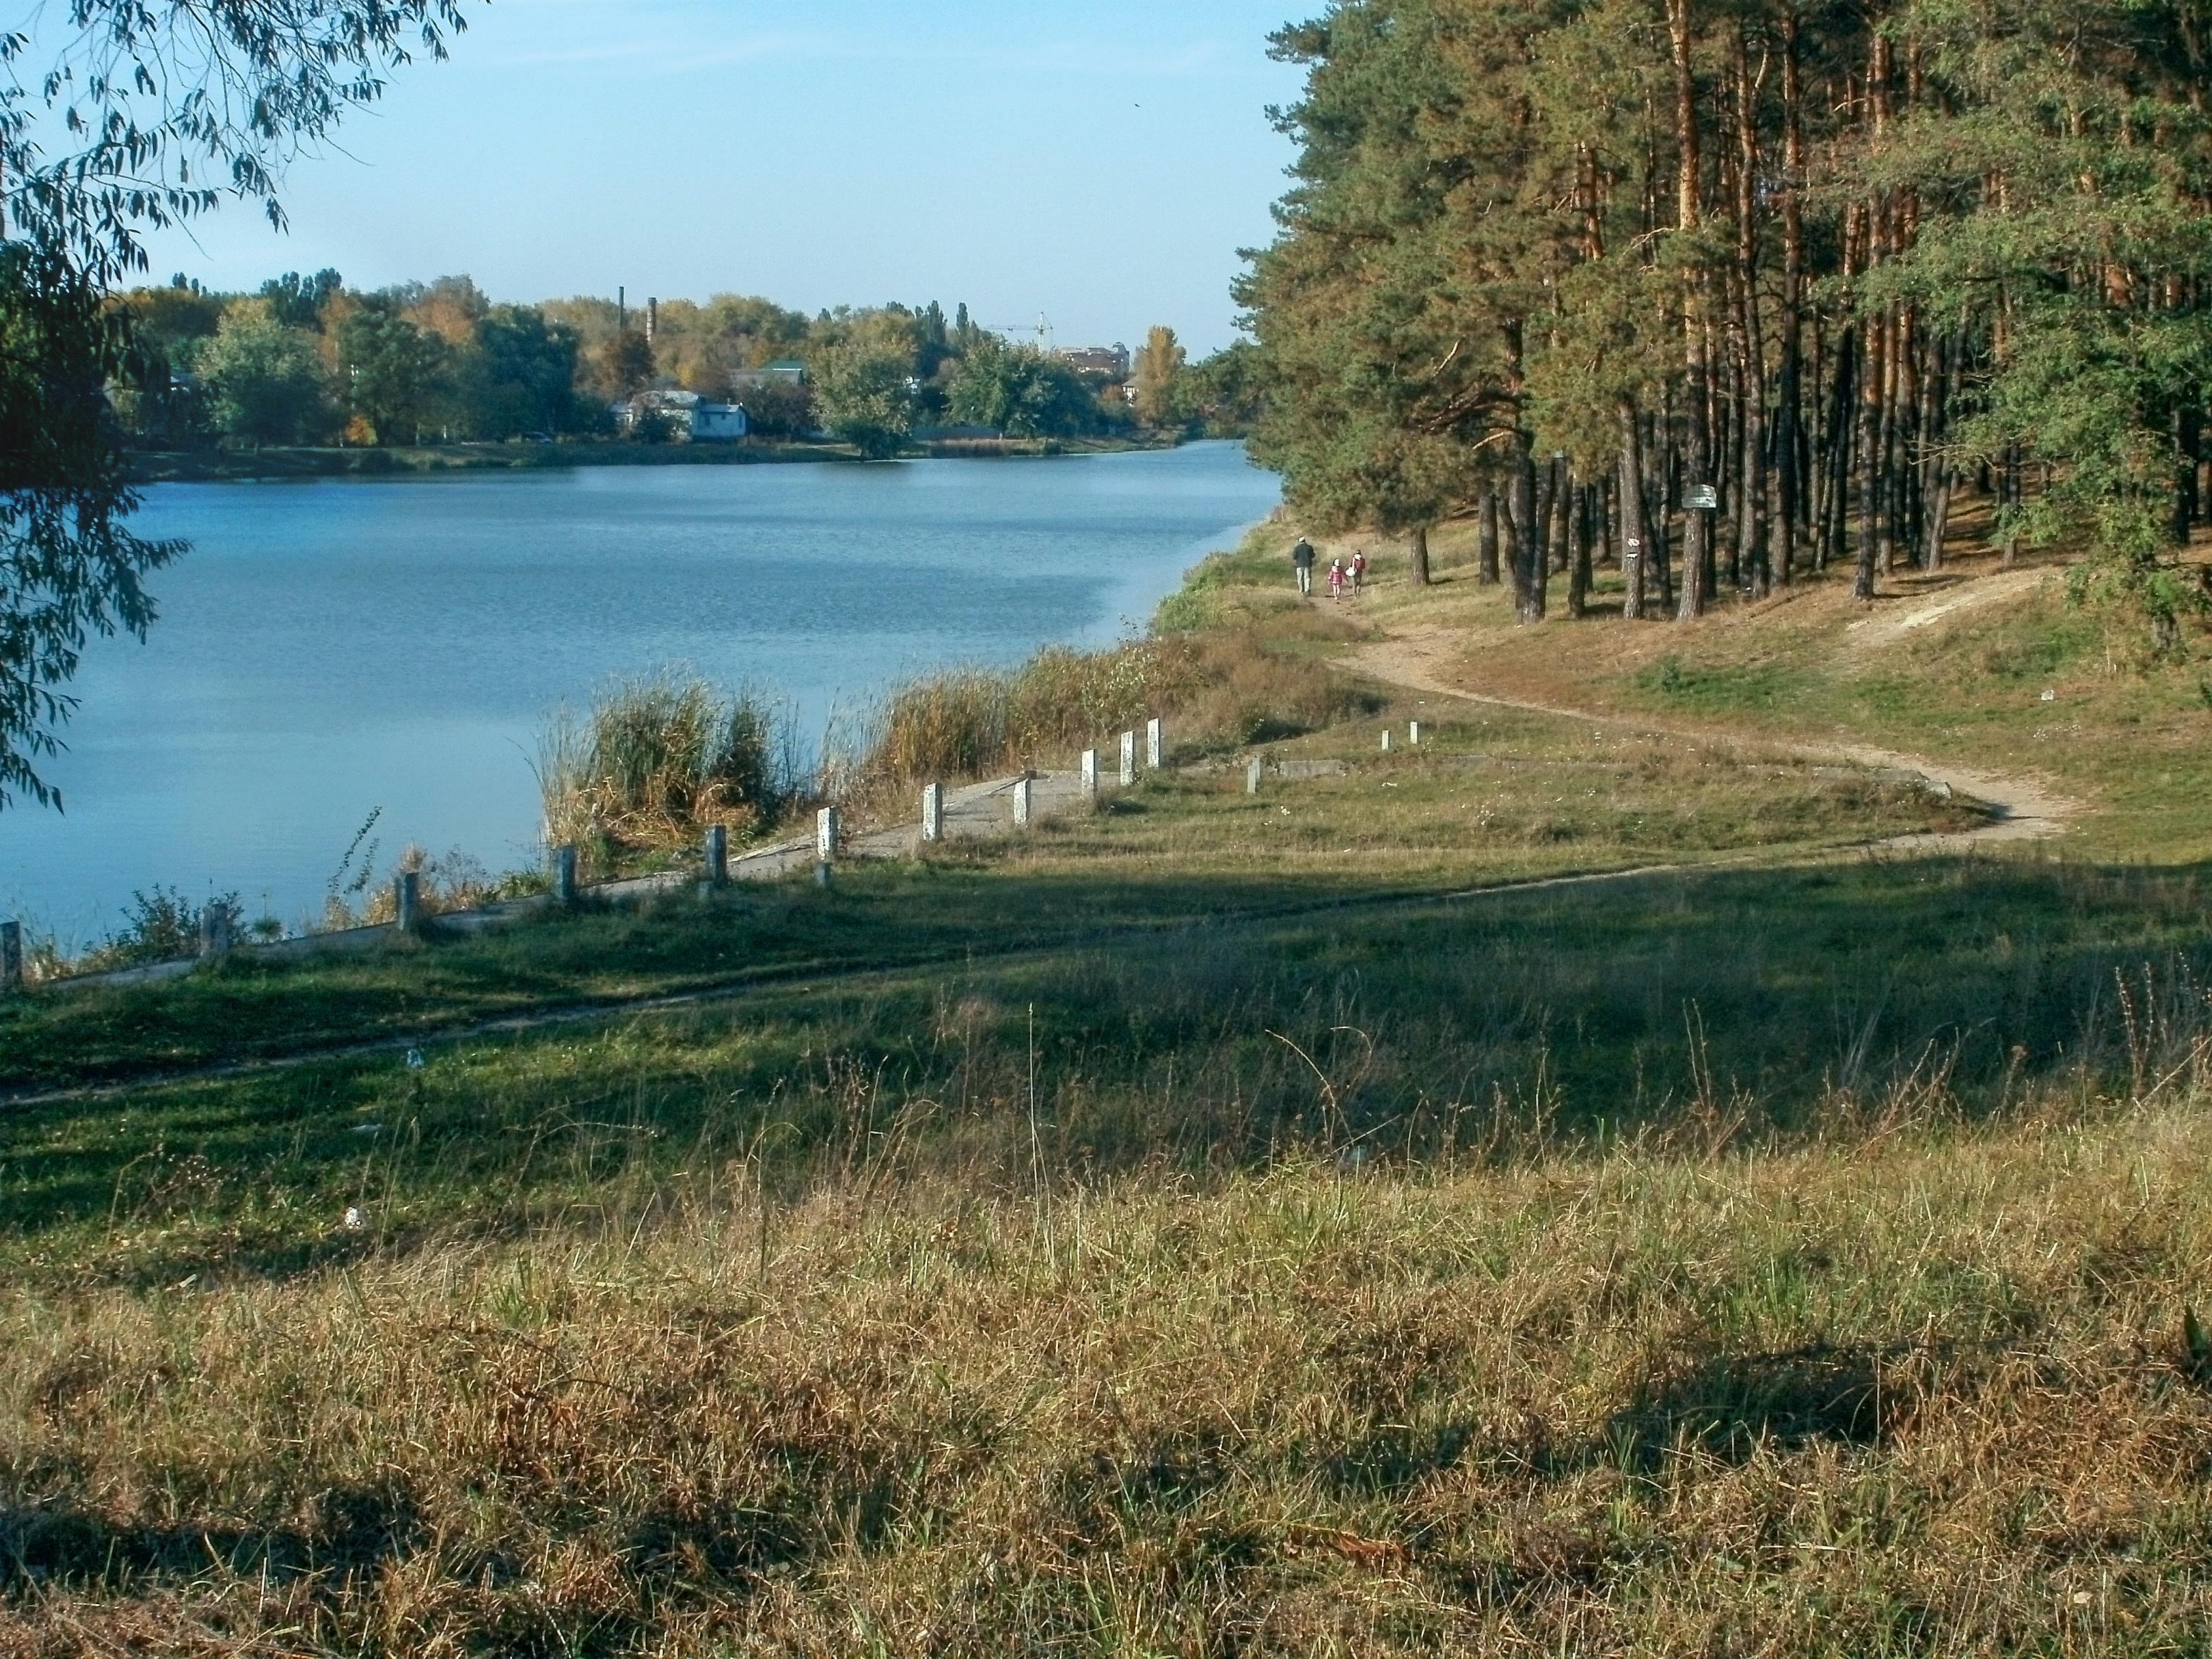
(932, 811)
(564, 875)
(1252, 776)
(1413, 735)
(717, 854)
(1128, 758)
(1386, 743)
(1090, 773)
(11, 956)
(215, 931)
(1155, 744)
(825, 835)
(407, 901)
(1022, 801)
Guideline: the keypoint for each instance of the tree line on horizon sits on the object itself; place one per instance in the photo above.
(309, 361)
(1727, 293)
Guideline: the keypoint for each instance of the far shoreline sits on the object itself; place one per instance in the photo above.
(415, 461)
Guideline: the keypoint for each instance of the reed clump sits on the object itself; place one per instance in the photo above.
(1220, 691)
(656, 759)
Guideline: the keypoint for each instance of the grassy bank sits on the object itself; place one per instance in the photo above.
(1859, 1397)
(1218, 1224)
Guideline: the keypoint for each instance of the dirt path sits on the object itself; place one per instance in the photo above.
(2022, 809)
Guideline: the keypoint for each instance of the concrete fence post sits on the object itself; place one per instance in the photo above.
(11, 956)
(932, 811)
(1156, 744)
(407, 901)
(1022, 803)
(825, 835)
(1090, 774)
(215, 931)
(717, 854)
(1413, 735)
(1386, 743)
(1252, 776)
(1128, 758)
(564, 875)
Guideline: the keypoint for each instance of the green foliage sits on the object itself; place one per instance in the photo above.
(520, 374)
(864, 386)
(265, 383)
(70, 566)
(1224, 394)
(161, 926)
(297, 301)
(391, 371)
(780, 408)
(1017, 390)
(114, 114)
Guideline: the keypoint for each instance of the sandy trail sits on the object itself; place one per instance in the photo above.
(2022, 809)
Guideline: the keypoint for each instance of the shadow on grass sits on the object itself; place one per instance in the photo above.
(1165, 1023)
(352, 1532)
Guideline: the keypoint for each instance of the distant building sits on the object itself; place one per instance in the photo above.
(683, 416)
(784, 371)
(719, 421)
(1108, 363)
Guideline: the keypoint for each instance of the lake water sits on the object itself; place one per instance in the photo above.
(329, 648)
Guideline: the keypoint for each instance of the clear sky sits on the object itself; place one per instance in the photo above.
(1100, 162)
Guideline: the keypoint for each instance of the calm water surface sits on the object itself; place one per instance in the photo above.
(328, 648)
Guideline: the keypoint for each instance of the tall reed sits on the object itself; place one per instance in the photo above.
(656, 757)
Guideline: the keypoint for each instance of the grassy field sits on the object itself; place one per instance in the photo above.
(1219, 1225)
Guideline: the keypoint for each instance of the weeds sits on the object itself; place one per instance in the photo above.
(656, 759)
(161, 926)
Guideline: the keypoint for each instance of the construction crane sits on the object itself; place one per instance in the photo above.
(1042, 328)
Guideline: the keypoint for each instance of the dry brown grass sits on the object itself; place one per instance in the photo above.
(1219, 689)
(1916, 1395)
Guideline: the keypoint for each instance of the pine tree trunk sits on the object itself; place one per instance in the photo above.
(1486, 541)
(1629, 491)
(1579, 537)
(1788, 482)
(2188, 444)
(1528, 560)
(1418, 556)
(1696, 546)
(1867, 441)
(1751, 470)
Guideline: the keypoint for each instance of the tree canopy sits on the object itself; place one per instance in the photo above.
(1601, 263)
(116, 117)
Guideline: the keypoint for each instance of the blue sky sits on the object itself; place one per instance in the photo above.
(1101, 163)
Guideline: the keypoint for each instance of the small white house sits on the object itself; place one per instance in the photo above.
(711, 423)
(685, 416)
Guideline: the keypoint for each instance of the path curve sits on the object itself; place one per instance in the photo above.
(2022, 809)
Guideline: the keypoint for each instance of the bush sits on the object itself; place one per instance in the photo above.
(657, 758)
(1220, 689)
(161, 926)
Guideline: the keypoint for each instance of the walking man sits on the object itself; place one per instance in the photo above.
(1302, 556)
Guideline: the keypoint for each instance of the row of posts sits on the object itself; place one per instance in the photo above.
(217, 924)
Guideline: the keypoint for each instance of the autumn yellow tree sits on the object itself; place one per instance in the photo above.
(1158, 367)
